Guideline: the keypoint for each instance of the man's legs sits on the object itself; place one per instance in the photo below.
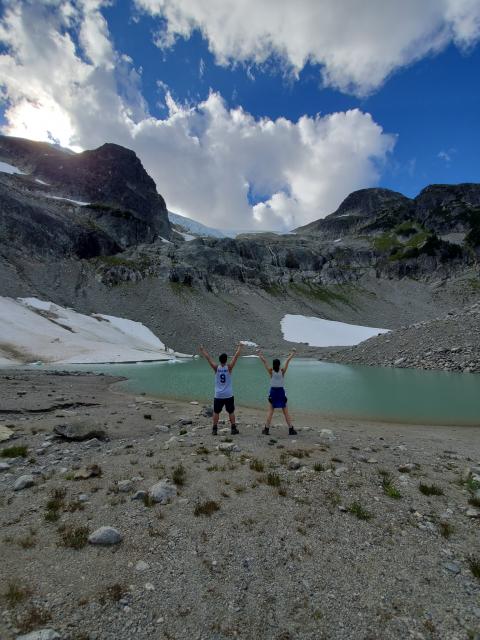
(216, 417)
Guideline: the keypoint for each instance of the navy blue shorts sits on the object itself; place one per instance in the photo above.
(277, 398)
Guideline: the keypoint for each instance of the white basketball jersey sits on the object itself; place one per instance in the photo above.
(223, 383)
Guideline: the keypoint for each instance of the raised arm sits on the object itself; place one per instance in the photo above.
(265, 363)
(287, 361)
(236, 355)
(207, 357)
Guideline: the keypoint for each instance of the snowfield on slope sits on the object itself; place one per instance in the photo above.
(318, 332)
(33, 330)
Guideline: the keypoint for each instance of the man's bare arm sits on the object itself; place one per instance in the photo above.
(235, 357)
(287, 361)
(207, 357)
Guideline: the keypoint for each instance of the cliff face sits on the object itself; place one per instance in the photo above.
(93, 203)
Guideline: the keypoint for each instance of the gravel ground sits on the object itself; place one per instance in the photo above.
(303, 537)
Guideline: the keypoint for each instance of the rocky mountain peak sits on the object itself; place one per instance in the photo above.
(366, 202)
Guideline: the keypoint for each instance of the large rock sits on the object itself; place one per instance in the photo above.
(42, 634)
(23, 482)
(78, 432)
(5, 433)
(162, 492)
(105, 536)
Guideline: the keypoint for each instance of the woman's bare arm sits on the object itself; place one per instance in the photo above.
(287, 361)
(265, 363)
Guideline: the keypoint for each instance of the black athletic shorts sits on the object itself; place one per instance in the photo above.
(228, 403)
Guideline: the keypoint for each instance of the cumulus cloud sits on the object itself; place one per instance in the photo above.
(357, 44)
(219, 165)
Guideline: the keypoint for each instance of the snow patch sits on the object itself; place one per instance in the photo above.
(34, 330)
(318, 332)
(248, 343)
(187, 236)
(79, 202)
(9, 168)
(197, 228)
(47, 184)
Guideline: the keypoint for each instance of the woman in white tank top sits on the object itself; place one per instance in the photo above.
(276, 396)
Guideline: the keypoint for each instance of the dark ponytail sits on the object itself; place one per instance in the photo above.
(276, 365)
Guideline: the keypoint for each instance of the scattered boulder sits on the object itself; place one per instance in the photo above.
(142, 566)
(42, 634)
(79, 432)
(207, 412)
(23, 482)
(4, 466)
(327, 435)
(406, 468)
(105, 536)
(340, 471)
(93, 471)
(139, 495)
(228, 446)
(162, 428)
(162, 492)
(472, 513)
(124, 486)
(5, 433)
(294, 463)
(185, 421)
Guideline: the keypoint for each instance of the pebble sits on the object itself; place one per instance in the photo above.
(149, 586)
(23, 482)
(453, 567)
(406, 468)
(162, 492)
(228, 446)
(472, 513)
(139, 495)
(162, 428)
(83, 497)
(327, 435)
(42, 634)
(124, 486)
(142, 566)
(340, 470)
(4, 466)
(105, 536)
(294, 463)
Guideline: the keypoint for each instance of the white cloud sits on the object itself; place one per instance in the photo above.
(446, 155)
(67, 83)
(358, 44)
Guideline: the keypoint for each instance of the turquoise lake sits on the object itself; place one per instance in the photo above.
(320, 388)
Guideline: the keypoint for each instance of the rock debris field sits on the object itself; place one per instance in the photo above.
(123, 517)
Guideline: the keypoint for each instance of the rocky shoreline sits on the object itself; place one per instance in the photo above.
(122, 517)
(448, 343)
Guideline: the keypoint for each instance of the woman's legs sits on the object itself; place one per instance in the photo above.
(269, 416)
(287, 416)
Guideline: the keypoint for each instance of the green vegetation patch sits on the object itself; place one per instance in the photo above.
(359, 511)
(430, 490)
(318, 293)
(14, 452)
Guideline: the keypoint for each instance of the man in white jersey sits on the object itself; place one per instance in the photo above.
(223, 388)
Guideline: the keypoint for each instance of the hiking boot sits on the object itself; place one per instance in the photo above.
(234, 431)
(291, 431)
(214, 431)
(266, 431)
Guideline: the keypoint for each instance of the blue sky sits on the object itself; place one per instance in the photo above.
(418, 112)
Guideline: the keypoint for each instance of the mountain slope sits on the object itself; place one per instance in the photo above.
(93, 203)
